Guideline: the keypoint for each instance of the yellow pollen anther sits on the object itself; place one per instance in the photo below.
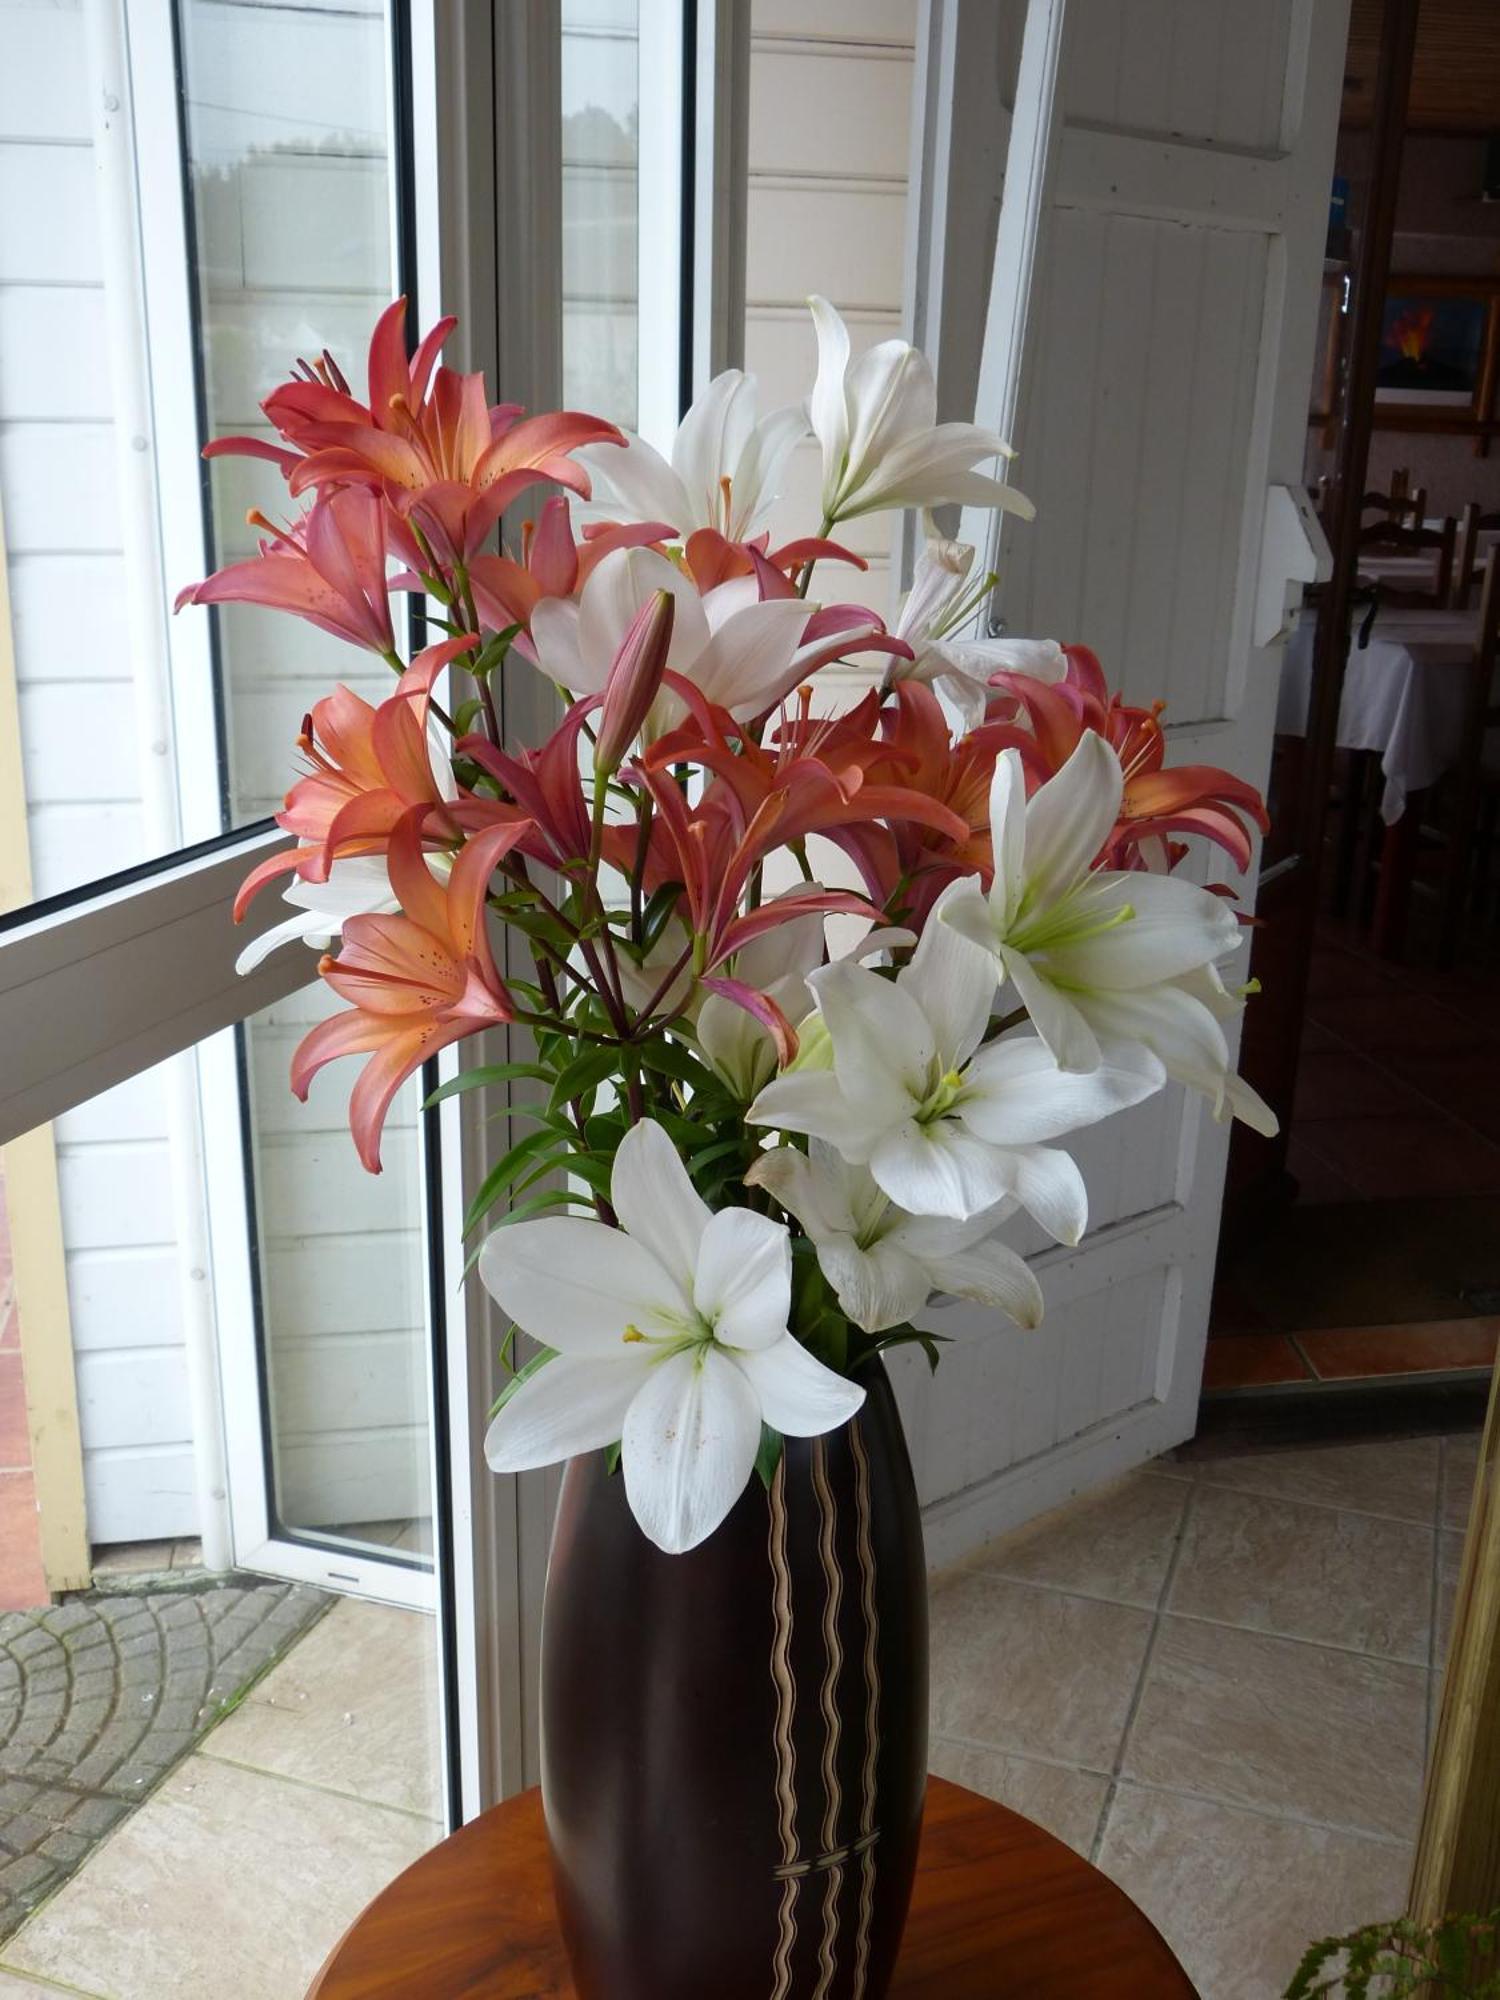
(952, 1081)
(632, 1333)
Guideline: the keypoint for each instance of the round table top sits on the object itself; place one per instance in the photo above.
(1000, 1906)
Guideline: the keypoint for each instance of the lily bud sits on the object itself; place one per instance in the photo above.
(634, 681)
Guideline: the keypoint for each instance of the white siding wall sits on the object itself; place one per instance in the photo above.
(63, 538)
(830, 123)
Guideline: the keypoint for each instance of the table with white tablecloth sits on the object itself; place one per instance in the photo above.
(1404, 696)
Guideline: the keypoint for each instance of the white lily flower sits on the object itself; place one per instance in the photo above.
(1094, 954)
(1180, 1023)
(725, 472)
(357, 886)
(746, 654)
(883, 1263)
(670, 1334)
(946, 1127)
(777, 964)
(958, 670)
(883, 446)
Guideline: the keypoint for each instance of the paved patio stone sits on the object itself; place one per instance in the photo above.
(101, 1696)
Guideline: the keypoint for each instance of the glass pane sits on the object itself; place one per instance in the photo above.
(76, 674)
(287, 132)
(600, 135)
(286, 122)
(342, 1283)
(278, 1742)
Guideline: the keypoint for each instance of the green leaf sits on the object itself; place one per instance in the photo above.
(584, 1074)
(772, 1445)
(537, 1361)
(612, 1458)
(672, 1059)
(553, 1198)
(505, 1170)
(659, 907)
(488, 1073)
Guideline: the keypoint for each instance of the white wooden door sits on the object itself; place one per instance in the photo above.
(1174, 218)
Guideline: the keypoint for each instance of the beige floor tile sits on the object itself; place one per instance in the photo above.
(1307, 1572)
(1067, 1803)
(353, 1706)
(1396, 1477)
(1460, 1464)
(1115, 1542)
(1282, 1726)
(1239, 1896)
(14, 1987)
(1033, 1671)
(226, 1883)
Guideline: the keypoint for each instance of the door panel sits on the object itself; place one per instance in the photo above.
(1163, 386)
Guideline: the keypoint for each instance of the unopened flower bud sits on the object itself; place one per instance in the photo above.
(634, 681)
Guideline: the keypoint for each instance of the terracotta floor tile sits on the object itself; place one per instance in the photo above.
(22, 1584)
(15, 1439)
(1251, 1361)
(1340, 1083)
(1391, 1019)
(1395, 1158)
(1342, 1354)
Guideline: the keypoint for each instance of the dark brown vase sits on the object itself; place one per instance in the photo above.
(734, 1741)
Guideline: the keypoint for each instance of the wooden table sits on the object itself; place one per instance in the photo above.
(1000, 1908)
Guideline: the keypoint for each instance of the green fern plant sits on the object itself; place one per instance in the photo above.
(1451, 1960)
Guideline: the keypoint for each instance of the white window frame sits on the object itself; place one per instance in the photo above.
(101, 984)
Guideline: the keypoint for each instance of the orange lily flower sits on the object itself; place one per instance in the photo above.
(368, 765)
(328, 567)
(1157, 802)
(416, 981)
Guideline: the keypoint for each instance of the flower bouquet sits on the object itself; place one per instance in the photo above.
(811, 978)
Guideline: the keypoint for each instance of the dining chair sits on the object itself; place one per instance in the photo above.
(1470, 558)
(1394, 538)
(1481, 711)
(1402, 505)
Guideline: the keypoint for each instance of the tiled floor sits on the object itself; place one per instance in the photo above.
(1217, 1679)
(236, 1877)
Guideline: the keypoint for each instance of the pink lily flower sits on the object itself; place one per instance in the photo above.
(328, 567)
(368, 766)
(416, 981)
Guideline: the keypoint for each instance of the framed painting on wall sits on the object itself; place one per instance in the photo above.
(1437, 341)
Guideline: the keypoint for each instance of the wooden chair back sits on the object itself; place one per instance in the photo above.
(1469, 558)
(1402, 506)
(1392, 538)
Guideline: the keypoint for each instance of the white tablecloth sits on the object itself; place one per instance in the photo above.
(1404, 695)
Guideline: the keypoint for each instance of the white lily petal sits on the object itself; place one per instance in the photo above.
(640, 479)
(618, 589)
(964, 909)
(828, 407)
(993, 1274)
(953, 981)
(1053, 1014)
(892, 395)
(744, 1283)
(314, 925)
(1008, 835)
(1039, 659)
(554, 634)
(798, 1396)
(940, 1169)
(651, 1193)
(878, 1287)
(689, 1443)
(748, 665)
(710, 439)
(1015, 1094)
(931, 1238)
(576, 1285)
(883, 1044)
(1175, 926)
(1048, 1185)
(755, 483)
(573, 1404)
(810, 1101)
(939, 576)
(1071, 817)
(812, 1194)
